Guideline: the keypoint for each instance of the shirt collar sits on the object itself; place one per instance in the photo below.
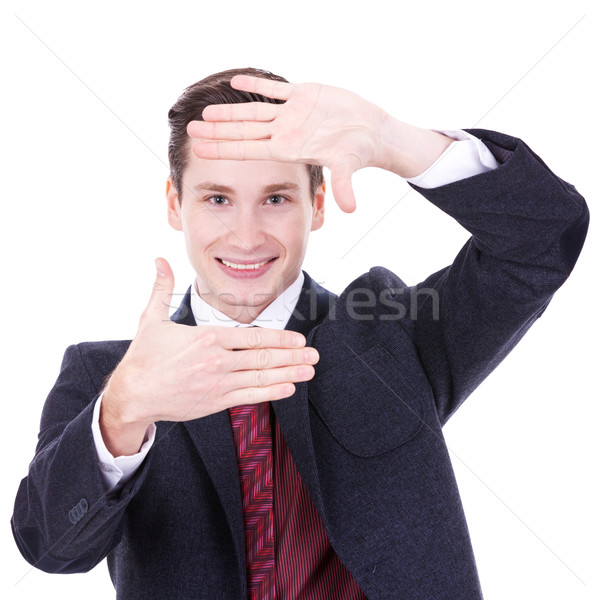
(275, 316)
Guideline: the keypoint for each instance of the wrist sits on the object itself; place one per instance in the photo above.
(407, 150)
(123, 435)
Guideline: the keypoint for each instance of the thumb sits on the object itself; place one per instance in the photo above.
(341, 181)
(162, 291)
(341, 187)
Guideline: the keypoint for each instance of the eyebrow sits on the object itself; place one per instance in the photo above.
(284, 186)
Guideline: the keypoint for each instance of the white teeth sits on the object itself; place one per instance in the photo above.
(242, 267)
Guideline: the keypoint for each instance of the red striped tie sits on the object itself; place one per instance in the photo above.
(251, 428)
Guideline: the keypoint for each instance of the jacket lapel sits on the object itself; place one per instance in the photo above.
(213, 440)
(292, 413)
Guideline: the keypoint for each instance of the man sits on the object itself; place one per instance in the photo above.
(227, 461)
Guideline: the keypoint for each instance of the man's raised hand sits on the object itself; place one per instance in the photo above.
(317, 124)
(174, 372)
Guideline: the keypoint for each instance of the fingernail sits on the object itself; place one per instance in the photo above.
(311, 355)
(298, 340)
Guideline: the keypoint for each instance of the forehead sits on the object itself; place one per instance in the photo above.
(246, 174)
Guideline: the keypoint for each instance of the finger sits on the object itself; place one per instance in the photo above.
(234, 150)
(162, 292)
(266, 87)
(269, 358)
(341, 187)
(236, 130)
(245, 111)
(261, 378)
(244, 338)
(255, 395)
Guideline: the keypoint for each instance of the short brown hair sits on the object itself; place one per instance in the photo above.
(215, 89)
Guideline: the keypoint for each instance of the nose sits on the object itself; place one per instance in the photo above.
(246, 231)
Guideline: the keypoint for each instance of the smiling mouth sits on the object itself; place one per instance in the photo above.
(245, 266)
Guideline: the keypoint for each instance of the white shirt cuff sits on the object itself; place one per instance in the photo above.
(465, 157)
(116, 471)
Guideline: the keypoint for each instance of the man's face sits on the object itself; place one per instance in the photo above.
(246, 226)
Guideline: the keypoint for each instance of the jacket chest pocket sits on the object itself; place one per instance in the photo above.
(370, 402)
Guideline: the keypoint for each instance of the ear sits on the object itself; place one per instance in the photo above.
(173, 206)
(318, 209)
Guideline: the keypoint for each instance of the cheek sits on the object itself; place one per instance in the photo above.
(201, 228)
(195, 240)
(295, 234)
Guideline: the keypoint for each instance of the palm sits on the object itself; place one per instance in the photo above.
(317, 124)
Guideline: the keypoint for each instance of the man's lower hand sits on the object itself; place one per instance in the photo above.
(174, 372)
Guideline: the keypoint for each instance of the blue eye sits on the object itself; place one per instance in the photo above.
(276, 200)
(218, 200)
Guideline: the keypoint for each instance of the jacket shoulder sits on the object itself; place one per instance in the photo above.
(368, 310)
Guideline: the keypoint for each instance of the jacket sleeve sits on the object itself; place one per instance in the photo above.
(528, 227)
(63, 521)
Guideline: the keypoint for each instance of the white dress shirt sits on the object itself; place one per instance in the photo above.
(275, 316)
(465, 157)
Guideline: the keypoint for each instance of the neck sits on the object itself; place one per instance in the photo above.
(272, 311)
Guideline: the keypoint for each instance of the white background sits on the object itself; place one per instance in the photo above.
(85, 92)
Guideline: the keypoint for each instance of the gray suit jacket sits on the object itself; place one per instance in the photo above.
(365, 433)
